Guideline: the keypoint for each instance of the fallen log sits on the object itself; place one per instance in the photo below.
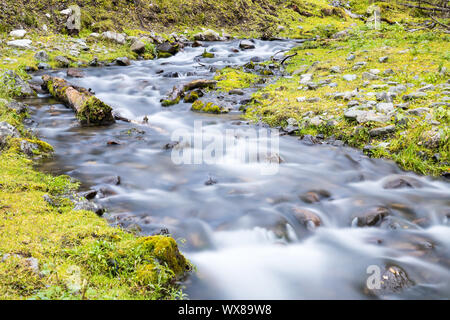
(89, 109)
(179, 91)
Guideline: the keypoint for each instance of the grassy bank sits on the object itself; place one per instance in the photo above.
(50, 251)
(417, 134)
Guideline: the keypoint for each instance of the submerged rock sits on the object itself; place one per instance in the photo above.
(401, 182)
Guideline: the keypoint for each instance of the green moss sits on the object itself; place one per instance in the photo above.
(206, 54)
(167, 103)
(230, 78)
(95, 111)
(208, 107)
(164, 55)
(191, 97)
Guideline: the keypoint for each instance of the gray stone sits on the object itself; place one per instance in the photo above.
(426, 88)
(418, 111)
(383, 59)
(335, 69)
(208, 35)
(414, 96)
(18, 107)
(138, 47)
(305, 78)
(385, 107)
(349, 77)
(62, 61)
(43, 66)
(19, 33)
(28, 148)
(7, 131)
(73, 23)
(86, 205)
(246, 44)
(350, 57)
(114, 36)
(21, 44)
(382, 131)
(123, 61)
(41, 56)
(398, 88)
(369, 76)
(10, 77)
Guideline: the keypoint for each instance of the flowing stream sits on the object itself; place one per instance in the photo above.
(239, 225)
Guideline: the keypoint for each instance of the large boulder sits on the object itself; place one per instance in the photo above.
(208, 35)
(138, 47)
(73, 23)
(20, 44)
(246, 44)
(114, 36)
(7, 131)
(13, 80)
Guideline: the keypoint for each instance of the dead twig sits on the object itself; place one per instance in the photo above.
(287, 57)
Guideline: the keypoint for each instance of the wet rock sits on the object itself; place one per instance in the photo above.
(196, 44)
(372, 217)
(20, 44)
(246, 45)
(306, 217)
(114, 36)
(168, 48)
(138, 47)
(309, 140)
(86, 205)
(41, 56)
(314, 196)
(211, 181)
(89, 195)
(113, 180)
(382, 131)
(7, 131)
(123, 61)
(401, 182)
(76, 73)
(393, 281)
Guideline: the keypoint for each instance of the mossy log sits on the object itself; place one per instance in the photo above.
(89, 109)
(179, 91)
